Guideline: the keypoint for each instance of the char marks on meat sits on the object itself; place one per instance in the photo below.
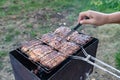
(29, 44)
(52, 59)
(81, 39)
(51, 50)
(68, 48)
(62, 31)
(52, 40)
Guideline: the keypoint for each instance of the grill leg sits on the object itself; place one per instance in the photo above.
(83, 77)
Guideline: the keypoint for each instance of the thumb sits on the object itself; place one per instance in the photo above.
(87, 21)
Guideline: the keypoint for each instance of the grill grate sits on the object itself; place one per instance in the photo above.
(38, 64)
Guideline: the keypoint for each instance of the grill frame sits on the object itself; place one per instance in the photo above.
(47, 70)
(25, 71)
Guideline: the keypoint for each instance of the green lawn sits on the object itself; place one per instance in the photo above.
(12, 7)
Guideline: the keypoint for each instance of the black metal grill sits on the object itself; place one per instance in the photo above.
(46, 69)
(69, 69)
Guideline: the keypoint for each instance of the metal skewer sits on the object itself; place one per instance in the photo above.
(87, 59)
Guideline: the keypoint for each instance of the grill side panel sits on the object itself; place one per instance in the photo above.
(20, 71)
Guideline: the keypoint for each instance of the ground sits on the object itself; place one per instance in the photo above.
(17, 28)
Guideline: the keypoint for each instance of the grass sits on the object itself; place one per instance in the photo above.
(117, 59)
(33, 34)
(3, 54)
(10, 35)
(13, 7)
(106, 6)
(29, 25)
(1, 65)
(45, 29)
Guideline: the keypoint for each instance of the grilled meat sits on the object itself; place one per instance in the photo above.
(47, 38)
(81, 39)
(29, 44)
(52, 59)
(68, 48)
(51, 50)
(52, 40)
(38, 51)
(62, 31)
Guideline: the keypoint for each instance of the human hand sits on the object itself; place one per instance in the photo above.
(95, 18)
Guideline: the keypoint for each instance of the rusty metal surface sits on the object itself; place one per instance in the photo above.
(20, 71)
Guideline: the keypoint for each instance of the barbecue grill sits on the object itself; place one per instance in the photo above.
(76, 66)
(69, 69)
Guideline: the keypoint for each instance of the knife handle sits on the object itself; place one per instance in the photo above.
(86, 17)
(78, 25)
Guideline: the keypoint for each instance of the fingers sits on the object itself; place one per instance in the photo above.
(87, 21)
(82, 16)
(95, 18)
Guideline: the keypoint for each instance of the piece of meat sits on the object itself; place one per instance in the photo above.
(41, 50)
(69, 48)
(75, 36)
(25, 46)
(81, 39)
(56, 61)
(46, 38)
(32, 56)
(51, 60)
(38, 51)
(60, 58)
(54, 51)
(52, 40)
(56, 42)
(62, 31)
(46, 60)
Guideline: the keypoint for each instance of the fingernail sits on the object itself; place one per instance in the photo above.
(81, 22)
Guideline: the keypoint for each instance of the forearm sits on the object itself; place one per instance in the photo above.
(98, 18)
(114, 17)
